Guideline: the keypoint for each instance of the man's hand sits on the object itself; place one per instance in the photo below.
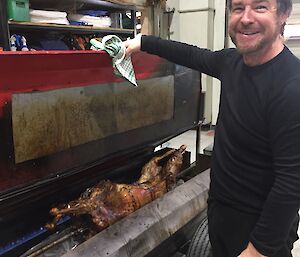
(133, 45)
(250, 251)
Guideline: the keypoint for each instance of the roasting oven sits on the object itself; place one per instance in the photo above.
(66, 122)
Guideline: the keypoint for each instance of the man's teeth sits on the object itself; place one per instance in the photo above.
(248, 33)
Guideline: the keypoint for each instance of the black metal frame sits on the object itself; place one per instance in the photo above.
(4, 37)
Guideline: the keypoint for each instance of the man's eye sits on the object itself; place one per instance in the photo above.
(237, 9)
(261, 8)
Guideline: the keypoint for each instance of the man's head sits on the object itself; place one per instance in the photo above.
(255, 26)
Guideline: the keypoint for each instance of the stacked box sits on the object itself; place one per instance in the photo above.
(18, 10)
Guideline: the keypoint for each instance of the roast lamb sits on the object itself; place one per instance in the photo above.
(107, 202)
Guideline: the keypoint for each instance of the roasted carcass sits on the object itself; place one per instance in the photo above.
(108, 202)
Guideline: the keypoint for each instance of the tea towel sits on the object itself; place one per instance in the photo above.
(114, 47)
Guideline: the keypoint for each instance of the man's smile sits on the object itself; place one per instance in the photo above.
(248, 32)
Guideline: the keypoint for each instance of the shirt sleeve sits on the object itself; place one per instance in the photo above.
(280, 210)
(200, 59)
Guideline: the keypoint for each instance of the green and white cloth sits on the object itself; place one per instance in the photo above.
(114, 47)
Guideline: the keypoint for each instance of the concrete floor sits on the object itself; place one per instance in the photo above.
(207, 136)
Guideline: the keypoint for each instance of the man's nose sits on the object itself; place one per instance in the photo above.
(247, 15)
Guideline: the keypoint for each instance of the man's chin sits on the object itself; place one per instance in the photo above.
(246, 49)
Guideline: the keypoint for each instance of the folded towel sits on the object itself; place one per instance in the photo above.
(47, 14)
(91, 20)
(122, 65)
(42, 16)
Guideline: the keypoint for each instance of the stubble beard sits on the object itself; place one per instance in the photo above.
(252, 49)
(260, 46)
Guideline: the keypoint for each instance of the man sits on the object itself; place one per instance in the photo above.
(255, 175)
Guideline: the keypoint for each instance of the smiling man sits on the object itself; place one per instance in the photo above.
(254, 193)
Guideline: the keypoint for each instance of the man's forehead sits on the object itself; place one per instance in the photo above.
(239, 2)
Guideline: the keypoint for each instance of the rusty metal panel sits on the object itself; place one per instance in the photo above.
(51, 121)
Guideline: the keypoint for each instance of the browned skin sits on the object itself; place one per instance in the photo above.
(151, 171)
(108, 202)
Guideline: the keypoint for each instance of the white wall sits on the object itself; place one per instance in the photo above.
(294, 42)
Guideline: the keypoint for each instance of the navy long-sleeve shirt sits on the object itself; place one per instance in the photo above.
(256, 159)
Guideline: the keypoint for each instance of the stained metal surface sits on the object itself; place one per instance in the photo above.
(60, 70)
(186, 99)
(51, 121)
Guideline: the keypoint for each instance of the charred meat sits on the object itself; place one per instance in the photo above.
(108, 202)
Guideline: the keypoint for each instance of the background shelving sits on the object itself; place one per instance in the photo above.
(123, 20)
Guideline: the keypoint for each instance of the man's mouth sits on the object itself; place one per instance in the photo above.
(248, 33)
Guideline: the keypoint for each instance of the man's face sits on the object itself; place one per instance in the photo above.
(254, 25)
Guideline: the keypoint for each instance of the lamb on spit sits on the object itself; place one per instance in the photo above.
(108, 202)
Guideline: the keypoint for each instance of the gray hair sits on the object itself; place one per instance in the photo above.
(284, 6)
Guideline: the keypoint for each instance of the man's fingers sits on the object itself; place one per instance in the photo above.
(132, 45)
(127, 52)
(126, 43)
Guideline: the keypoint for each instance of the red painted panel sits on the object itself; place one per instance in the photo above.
(44, 70)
